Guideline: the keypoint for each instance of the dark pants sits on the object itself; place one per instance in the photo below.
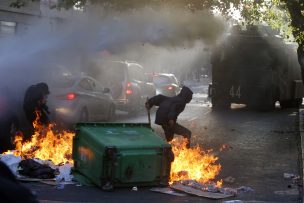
(179, 130)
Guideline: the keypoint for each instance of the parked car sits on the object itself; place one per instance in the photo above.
(80, 99)
(166, 84)
(126, 80)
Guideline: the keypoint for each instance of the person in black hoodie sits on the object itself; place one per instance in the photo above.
(168, 110)
(35, 99)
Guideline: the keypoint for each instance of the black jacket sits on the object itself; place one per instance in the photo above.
(32, 101)
(170, 107)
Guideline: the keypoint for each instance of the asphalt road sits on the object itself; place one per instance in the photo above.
(262, 146)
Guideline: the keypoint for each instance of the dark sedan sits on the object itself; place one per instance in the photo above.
(80, 99)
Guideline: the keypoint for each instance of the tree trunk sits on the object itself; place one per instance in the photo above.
(297, 22)
(300, 52)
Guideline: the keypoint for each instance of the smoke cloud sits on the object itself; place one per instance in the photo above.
(157, 38)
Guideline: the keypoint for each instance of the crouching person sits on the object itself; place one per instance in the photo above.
(35, 101)
(168, 111)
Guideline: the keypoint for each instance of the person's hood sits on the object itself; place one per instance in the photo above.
(186, 94)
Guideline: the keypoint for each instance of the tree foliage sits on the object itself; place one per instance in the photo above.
(286, 15)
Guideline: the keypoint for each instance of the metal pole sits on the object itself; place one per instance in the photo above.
(148, 111)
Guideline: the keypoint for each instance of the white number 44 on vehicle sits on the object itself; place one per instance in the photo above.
(235, 92)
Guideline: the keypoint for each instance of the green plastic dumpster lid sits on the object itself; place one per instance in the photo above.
(125, 135)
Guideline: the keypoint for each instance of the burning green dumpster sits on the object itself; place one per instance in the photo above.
(120, 154)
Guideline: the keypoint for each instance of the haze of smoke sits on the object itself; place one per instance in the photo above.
(164, 27)
(42, 52)
(179, 60)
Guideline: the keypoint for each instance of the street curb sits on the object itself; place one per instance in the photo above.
(300, 124)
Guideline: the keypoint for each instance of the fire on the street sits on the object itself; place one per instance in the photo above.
(193, 164)
(50, 144)
(46, 144)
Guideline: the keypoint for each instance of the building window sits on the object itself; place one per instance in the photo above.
(7, 28)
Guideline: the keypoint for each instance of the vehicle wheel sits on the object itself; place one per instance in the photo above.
(295, 103)
(262, 106)
(298, 102)
(270, 106)
(285, 104)
(136, 107)
(84, 115)
(220, 104)
(111, 113)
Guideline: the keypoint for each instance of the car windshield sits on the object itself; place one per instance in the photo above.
(161, 80)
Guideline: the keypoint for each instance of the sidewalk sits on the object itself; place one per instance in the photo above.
(300, 124)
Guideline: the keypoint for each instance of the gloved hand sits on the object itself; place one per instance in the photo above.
(147, 105)
(171, 123)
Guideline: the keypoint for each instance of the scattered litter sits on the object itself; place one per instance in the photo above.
(169, 191)
(46, 162)
(289, 175)
(233, 201)
(37, 170)
(134, 188)
(244, 189)
(229, 179)
(65, 173)
(294, 191)
(33, 169)
(229, 191)
(60, 186)
(198, 192)
(297, 180)
(211, 187)
(208, 187)
(78, 185)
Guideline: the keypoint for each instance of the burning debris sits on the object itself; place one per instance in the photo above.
(194, 171)
(48, 153)
(32, 168)
(193, 164)
(47, 143)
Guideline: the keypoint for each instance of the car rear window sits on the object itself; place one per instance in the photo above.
(64, 83)
(161, 80)
(136, 72)
(109, 72)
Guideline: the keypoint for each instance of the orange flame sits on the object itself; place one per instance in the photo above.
(193, 164)
(46, 144)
